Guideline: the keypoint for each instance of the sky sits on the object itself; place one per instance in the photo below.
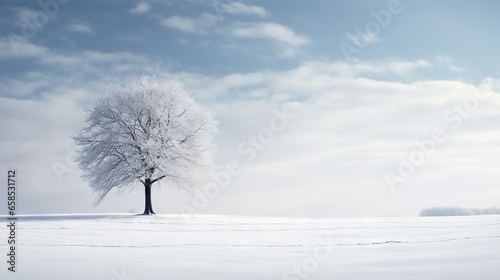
(325, 108)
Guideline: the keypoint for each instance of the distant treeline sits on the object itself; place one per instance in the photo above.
(458, 211)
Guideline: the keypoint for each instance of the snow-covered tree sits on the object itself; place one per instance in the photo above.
(146, 131)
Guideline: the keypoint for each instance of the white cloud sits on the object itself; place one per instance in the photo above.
(444, 58)
(25, 16)
(447, 61)
(141, 8)
(24, 88)
(288, 43)
(80, 28)
(272, 31)
(406, 67)
(183, 41)
(381, 68)
(363, 39)
(349, 128)
(83, 62)
(240, 8)
(198, 25)
(18, 47)
(181, 23)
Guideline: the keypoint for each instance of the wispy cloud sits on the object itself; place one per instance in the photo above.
(19, 47)
(272, 31)
(141, 8)
(80, 28)
(25, 16)
(448, 62)
(82, 62)
(382, 68)
(185, 24)
(191, 25)
(362, 39)
(240, 8)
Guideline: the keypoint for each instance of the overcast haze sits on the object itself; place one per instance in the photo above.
(366, 85)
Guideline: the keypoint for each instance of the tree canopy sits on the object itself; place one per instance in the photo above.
(146, 131)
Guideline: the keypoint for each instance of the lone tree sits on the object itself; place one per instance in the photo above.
(146, 131)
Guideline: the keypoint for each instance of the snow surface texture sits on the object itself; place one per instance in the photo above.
(204, 247)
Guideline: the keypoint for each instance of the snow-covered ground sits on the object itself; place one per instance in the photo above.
(203, 247)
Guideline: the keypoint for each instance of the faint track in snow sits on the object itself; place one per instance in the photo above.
(272, 229)
(261, 245)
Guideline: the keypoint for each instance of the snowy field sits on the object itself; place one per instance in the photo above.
(203, 247)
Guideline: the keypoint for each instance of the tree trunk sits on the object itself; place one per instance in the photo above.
(148, 208)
